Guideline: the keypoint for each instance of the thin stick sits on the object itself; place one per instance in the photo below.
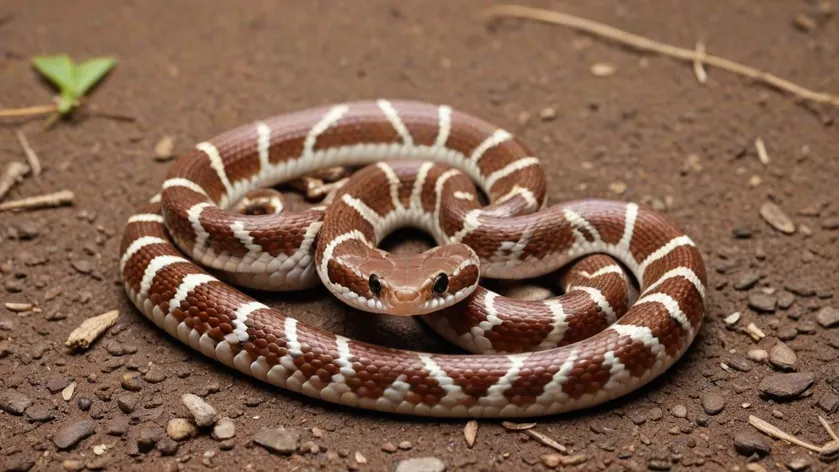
(645, 44)
(760, 146)
(34, 162)
(698, 68)
(28, 111)
(828, 428)
(63, 197)
(14, 174)
(773, 431)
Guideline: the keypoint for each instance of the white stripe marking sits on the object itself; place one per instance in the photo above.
(331, 117)
(629, 226)
(135, 246)
(393, 116)
(181, 182)
(672, 307)
(263, 143)
(146, 218)
(216, 163)
(509, 169)
(188, 284)
(663, 251)
(416, 192)
(155, 265)
(600, 300)
(445, 120)
(497, 137)
(680, 272)
(393, 180)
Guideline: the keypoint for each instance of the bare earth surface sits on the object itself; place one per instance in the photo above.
(648, 133)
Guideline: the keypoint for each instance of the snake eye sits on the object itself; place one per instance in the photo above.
(375, 285)
(441, 283)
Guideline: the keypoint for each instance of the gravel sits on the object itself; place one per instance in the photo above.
(762, 302)
(421, 464)
(14, 403)
(783, 357)
(750, 442)
(201, 411)
(180, 429)
(828, 317)
(712, 402)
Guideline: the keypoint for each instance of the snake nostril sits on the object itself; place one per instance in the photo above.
(406, 295)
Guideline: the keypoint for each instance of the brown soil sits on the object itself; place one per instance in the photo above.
(192, 69)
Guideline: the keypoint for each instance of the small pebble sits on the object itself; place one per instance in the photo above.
(405, 445)
(84, 403)
(155, 374)
(783, 357)
(762, 302)
(799, 464)
(224, 429)
(118, 426)
(712, 402)
(57, 384)
(757, 355)
(279, 440)
(747, 281)
(40, 414)
(180, 429)
(786, 386)
(167, 446)
(748, 442)
(72, 433)
(127, 403)
(421, 464)
(389, 447)
(148, 438)
(777, 218)
(131, 382)
(800, 288)
(202, 412)
(829, 402)
(739, 363)
(14, 403)
(679, 411)
(828, 317)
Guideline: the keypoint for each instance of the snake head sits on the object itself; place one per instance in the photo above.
(415, 284)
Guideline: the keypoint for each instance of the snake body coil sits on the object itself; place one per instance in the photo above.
(590, 345)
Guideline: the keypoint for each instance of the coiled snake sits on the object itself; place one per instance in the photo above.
(592, 344)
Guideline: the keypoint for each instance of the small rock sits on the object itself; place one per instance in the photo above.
(180, 429)
(84, 403)
(712, 402)
(26, 230)
(786, 386)
(748, 442)
(747, 281)
(762, 302)
(73, 465)
(785, 300)
(656, 413)
(800, 288)
(547, 114)
(14, 403)
(739, 363)
(224, 429)
(421, 464)
(131, 382)
(799, 464)
(828, 317)
(775, 216)
(115, 348)
(127, 403)
(118, 426)
(155, 374)
(40, 414)
(757, 355)
(148, 438)
(829, 402)
(279, 440)
(57, 384)
(18, 463)
(602, 70)
(167, 446)
(787, 333)
(830, 223)
(203, 414)
(783, 357)
(550, 460)
(388, 447)
(70, 434)
(82, 266)
(637, 416)
(405, 445)
(164, 149)
(679, 411)
(741, 233)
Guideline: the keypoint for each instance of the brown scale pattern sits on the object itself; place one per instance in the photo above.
(136, 265)
(536, 372)
(207, 309)
(589, 374)
(685, 293)
(474, 378)
(660, 227)
(240, 156)
(682, 256)
(266, 336)
(166, 282)
(377, 368)
(194, 165)
(424, 122)
(288, 133)
(179, 200)
(283, 233)
(347, 131)
(320, 354)
(656, 317)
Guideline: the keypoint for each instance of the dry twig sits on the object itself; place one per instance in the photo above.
(649, 45)
(698, 67)
(828, 428)
(34, 162)
(773, 431)
(90, 329)
(760, 146)
(15, 172)
(63, 197)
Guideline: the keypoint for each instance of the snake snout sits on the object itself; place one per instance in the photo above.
(406, 296)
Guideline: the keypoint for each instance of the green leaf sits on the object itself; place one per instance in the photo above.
(58, 69)
(66, 102)
(89, 72)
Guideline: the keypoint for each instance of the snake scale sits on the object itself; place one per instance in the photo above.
(420, 166)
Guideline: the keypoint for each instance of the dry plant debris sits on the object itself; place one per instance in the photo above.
(90, 329)
(63, 197)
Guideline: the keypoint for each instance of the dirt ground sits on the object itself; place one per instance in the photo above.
(649, 132)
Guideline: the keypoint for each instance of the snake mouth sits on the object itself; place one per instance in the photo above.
(395, 307)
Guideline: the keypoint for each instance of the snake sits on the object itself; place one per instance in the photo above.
(190, 253)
